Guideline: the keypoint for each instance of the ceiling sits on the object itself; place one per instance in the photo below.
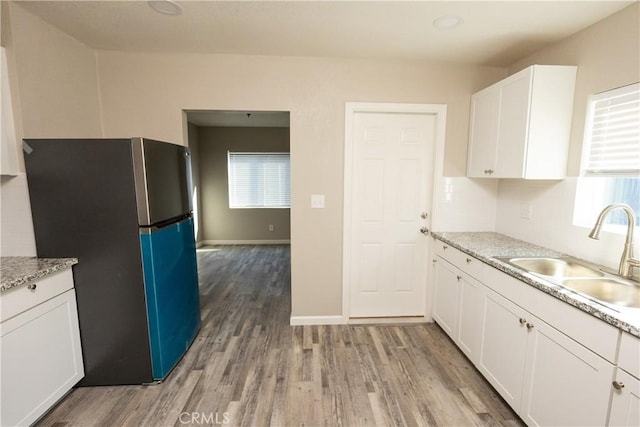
(496, 33)
(493, 33)
(278, 119)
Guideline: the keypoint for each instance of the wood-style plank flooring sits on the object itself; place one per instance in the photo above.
(248, 367)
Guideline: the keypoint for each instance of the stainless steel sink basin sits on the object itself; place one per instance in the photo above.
(608, 290)
(555, 267)
(582, 279)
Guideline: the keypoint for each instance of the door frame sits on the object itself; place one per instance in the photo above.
(351, 109)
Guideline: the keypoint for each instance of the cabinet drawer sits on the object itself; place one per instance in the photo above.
(468, 264)
(21, 298)
(629, 358)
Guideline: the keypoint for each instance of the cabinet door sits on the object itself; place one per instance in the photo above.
(625, 402)
(565, 383)
(41, 359)
(513, 128)
(445, 301)
(503, 346)
(468, 335)
(483, 132)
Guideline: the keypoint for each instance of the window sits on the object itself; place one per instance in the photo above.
(611, 157)
(259, 180)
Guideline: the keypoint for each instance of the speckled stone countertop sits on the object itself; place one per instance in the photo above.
(486, 246)
(16, 271)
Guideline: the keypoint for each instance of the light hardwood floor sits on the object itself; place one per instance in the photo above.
(248, 367)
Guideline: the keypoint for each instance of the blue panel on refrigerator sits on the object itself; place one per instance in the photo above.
(171, 287)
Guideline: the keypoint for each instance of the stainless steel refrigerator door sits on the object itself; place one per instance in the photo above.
(162, 179)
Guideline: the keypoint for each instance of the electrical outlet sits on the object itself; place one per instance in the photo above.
(526, 210)
(271, 227)
(317, 201)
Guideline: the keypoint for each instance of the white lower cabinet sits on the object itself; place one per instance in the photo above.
(545, 376)
(446, 306)
(552, 363)
(467, 337)
(625, 401)
(503, 346)
(625, 388)
(564, 384)
(41, 358)
(456, 305)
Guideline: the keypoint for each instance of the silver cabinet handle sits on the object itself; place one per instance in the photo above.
(32, 287)
(424, 230)
(459, 277)
(468, 260)
(529, 326)
(444, 247)
(523, 321)
(618, 385)
(424, 215)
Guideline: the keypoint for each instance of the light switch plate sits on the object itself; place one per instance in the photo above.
(317, 201)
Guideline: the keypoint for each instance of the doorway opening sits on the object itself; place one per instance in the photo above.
(243, 241)
(249, 150)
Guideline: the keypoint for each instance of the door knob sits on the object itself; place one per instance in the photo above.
(424, 230)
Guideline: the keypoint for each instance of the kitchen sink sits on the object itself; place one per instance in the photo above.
(555, 267)
(608, 290)
(581, 278)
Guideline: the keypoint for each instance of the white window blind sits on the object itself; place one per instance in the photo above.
(613, 133)
(259, 180)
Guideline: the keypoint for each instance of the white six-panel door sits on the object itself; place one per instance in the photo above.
(391, 187)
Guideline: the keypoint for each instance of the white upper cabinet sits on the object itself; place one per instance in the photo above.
(9, 153)
(520, 126)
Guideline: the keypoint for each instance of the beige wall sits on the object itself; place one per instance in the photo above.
(143, 94)
(608, 56)
(54, 86)
(218, 221)
(57, 80)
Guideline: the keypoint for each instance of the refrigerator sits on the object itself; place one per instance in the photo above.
(123, 208)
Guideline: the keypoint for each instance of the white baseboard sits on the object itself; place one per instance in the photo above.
(318, 320)
(388, 320)
(245, 242)
(199, 244)
(341, 320)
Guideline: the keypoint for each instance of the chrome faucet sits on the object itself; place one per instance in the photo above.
(626, 260)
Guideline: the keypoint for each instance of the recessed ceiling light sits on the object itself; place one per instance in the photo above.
(447, 22)
(166, 7)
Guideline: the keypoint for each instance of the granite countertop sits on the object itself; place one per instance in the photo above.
(16, 271)
(486, 246)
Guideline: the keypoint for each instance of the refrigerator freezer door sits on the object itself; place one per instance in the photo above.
(171, 287)
(162, 174)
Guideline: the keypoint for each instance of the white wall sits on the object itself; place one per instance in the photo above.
(15, 215)
(465, 204)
